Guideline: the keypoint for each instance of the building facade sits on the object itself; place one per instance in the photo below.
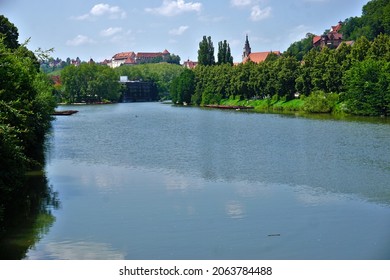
(332, 39)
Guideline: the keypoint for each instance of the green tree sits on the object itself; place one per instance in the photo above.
(9, 33)
(183, 87)
(206, 52)
(90, 83)
(360, 49)
(368, 88)
(224, 53)
(380, 48)
(26, 104)
(300, 48)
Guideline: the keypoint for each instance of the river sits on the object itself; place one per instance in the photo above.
(155, 181)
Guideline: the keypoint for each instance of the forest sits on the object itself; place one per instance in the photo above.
(348, 79)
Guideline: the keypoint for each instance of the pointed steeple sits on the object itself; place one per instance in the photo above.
(247, 49)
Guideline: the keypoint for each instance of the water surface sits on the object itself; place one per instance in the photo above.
(153, 181)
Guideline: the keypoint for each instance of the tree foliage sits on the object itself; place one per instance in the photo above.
(355, 75)
(182, 87)
(224, 53)
(375, 20)
(90, 83)
(162, 74)
(206, 52)
(26, 104)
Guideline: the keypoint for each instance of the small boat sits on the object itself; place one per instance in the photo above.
(64, 113)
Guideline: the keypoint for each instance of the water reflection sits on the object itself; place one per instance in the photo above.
(235, 209)
(28, 218)
(76, 250)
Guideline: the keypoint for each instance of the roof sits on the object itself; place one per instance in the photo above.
(123, 55)
(130, 60)
(337, 28)
(258, 57)
(348, 43)
(316, 39)
(190, 64)
(148, 55)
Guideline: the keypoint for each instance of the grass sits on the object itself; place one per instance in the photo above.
(267, 105)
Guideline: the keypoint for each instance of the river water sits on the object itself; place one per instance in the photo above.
(154, 181)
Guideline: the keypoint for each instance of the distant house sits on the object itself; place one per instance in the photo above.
(75, 62)
(145, 57)
(131, 58)
(190, 64)
(332, 39)
(122, 58)
(255, 57)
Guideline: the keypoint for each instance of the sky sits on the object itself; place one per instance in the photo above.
(99, 29)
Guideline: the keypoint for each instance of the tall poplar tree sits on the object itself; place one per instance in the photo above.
(224, 53)
(206, 52)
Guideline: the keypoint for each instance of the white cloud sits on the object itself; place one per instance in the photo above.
(239, 3)
(113, 12)
(110, 31)
(179, 31)
(173, 8)
(79, 40)
(260, 14)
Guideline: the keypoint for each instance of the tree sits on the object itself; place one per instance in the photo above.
(9, 33)
(300, 48)
(183, 87)
(368, 88)
(380, 48)
(206, 52)
(90, 83)
(26, 104)
(224, 53)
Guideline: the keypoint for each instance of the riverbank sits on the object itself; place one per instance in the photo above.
(267, 105)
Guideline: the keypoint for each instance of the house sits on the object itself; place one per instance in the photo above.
(190, 64)
(131, 58)
(122, 58)
(145, 57)
(255, 57)
(332, 39)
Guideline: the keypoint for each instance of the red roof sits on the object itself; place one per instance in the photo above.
(148, 55)
(316, 39)
(258, 57)
(337, 28)
(124, 55)
(130, 60)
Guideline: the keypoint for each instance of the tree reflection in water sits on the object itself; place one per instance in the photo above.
(28, 217)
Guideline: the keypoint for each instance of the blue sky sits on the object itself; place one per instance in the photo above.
(100, 28)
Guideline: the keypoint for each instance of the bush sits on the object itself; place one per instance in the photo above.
(320, 102)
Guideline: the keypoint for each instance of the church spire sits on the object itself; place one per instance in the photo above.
(247, 49)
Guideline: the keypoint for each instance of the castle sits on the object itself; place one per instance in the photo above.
(131, 58)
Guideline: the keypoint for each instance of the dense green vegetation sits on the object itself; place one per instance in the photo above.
(161, 74)
(89, 83)
(93, 83)
(350, 79)
(26, 104)
(375, 20)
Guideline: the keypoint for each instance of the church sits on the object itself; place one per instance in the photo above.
(255, 57)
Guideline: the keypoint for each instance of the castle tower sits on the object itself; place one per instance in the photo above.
(247, 49)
